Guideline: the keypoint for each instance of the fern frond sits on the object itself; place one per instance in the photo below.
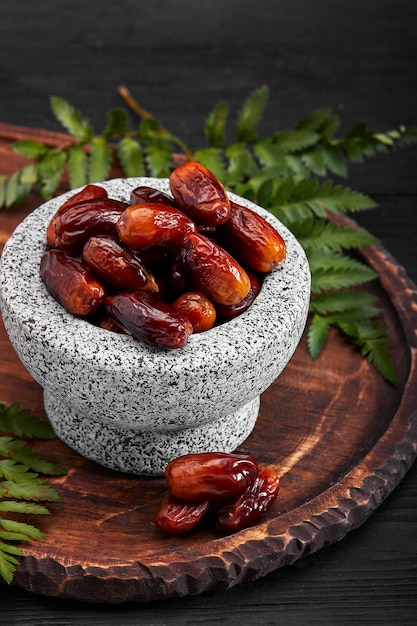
(373, 343)
(337, 271)
(215, 127)
(323, 235)
(250, 115)
(23, 423)
(296, 200)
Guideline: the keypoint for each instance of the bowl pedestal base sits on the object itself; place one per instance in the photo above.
(147, 452)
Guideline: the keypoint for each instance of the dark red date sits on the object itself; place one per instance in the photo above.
(116, 265)
(210, 475)
(89, 192)
(214, 271)
(71, 283)
(200, 194)
(179, 516)
(144, 194)
(78, 222)
(225, 313)
(253, 240)
(198, 308)
(142, 226)
(149, 319)
(252, 505)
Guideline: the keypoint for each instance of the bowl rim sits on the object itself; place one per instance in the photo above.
(23, 292)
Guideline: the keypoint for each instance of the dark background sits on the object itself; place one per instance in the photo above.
(179, 58)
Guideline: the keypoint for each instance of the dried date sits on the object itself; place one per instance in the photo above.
(177, 516)
(251, 505)
(89, 192)
(116, 265)
(149, 320)
(71, 283)
(253, 240)
(226, 313)
(198, 308)
(147, 225)
(73, 226)
(200, 194)
(210, 475)
(145, 194)
(214, 271)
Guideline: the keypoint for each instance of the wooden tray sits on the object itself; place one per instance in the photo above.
(338, 434)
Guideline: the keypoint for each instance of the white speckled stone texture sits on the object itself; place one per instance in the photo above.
(139, 400)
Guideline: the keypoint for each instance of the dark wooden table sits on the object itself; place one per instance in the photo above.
(179, 59)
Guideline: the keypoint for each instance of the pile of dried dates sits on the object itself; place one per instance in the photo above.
(159, 268)
(232, 486)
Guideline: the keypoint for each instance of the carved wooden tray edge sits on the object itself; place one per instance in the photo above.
(277, 542)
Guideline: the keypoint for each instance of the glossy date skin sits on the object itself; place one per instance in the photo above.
(251, 505)
(210, 476)
(146, 225)
(214, 271)
(73, 226)
(253, 240)
(200, 194)
(71, 283)
(89, 192)
(116, 265)
(177, 516)
(145, 194)
(226, 313)
(148, 319)
(198, 308)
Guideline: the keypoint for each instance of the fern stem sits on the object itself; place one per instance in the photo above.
(136, 108)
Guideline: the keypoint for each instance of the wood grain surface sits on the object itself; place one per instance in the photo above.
(180, 59)
(340, 437)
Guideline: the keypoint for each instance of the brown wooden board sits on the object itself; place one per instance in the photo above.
(339, 435)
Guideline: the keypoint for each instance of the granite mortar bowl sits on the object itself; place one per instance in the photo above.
(132, 407)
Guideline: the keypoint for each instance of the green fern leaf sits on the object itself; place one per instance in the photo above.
(29, 508)
(317, 332)
(250, 115)
(216, 125)
(374, 345)
(23, 423)
(8, 562)
(341, 301)
(333, 160)
(404, 136)
(324, 235)
(241, 163)
(159, 159)
(315, 120)
(25, 531)
(50, 170)
(337, 271)
(29, 174)
(23, 454)
(14, 192)
(315, 162)
(29, 148)
(72, 120)
(295, 140)
(270, 156)
(213, 159)
(296, 200)
(77, 166)
(34, 489)
(117, 124)
(131, 156)
(100, 160)
(11, 470)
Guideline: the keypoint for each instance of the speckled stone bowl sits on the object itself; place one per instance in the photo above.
(132, 407)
